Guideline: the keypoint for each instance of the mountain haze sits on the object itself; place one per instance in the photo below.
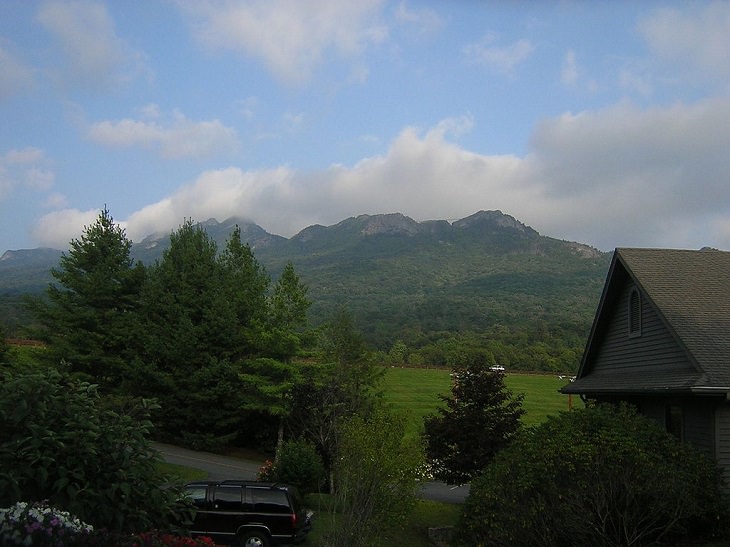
(402, 279)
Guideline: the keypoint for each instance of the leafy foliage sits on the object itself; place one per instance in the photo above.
(327, 394)
(480, 418)
(601, 476)
(297, 463)
(376, 476)
(60, 442)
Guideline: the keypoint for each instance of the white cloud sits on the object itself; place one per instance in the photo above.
(621, 176)
(39, 179)
(291, 37)
(500, 58)
(93, 55)
(426, 21)
(692, 42)
(15, 76)
(627, 176)
(422, 175)
(55, 201)
(174, 136)
(23, 156)
(25, 168)
(56, 229)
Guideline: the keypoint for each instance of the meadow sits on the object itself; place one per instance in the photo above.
(415, 392)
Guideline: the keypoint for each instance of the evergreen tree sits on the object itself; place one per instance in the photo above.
(187, 321)
(89, 312)
(288, 314)
(189, 336)
(479, 420)
(246, 286)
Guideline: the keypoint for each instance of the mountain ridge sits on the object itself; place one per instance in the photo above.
(401, 279)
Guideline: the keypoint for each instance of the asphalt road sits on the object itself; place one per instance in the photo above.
(225, 467)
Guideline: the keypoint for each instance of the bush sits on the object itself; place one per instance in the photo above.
(60, 442)
(376, 478)
(601, 476)
(298, 464)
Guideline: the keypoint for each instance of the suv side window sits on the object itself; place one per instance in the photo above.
(196, 494)
(270, 501)
(228, 498)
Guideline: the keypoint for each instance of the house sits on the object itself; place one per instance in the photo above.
(661, 341)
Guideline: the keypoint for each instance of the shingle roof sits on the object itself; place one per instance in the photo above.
(691, 292)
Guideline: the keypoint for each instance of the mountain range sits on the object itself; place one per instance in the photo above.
(400, 279)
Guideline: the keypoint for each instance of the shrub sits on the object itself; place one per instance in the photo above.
(298, 464)
(601, 476)
(376, 478)
(59, 442)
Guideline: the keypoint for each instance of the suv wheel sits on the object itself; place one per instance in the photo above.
(254, 539)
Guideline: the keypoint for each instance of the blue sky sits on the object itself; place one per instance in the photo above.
(606, 123)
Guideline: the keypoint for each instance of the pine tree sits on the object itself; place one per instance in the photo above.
(480, 418)
(89, 313)
(288, 314)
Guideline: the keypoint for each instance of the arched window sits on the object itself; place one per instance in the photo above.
(635, 312)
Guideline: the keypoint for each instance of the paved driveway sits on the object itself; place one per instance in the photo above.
(225, 467)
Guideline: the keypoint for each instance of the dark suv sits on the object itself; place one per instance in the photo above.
(248, 513)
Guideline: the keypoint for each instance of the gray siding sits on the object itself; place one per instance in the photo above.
(699, 426)
(654, 351)
(722, 432)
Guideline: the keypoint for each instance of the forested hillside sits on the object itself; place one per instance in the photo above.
(416, 290)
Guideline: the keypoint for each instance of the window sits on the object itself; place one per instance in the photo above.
(673, 420)
(270, 501)
(635, 313)
(196, 494)
(228, 498)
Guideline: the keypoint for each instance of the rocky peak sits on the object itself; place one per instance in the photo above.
(493, 218)
(391, 223)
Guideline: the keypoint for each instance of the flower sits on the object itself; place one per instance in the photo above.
(39, 524)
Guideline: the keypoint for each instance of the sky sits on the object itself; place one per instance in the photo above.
(601, 122)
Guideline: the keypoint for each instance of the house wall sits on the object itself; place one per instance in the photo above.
(698, 419)
(722, 434)
(654, 351)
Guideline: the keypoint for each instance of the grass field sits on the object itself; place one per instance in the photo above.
(416, 392)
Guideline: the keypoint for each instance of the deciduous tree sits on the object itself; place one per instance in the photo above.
(376, 476)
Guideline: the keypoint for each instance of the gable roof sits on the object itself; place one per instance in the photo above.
(690, 291)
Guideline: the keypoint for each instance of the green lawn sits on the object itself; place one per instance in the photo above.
(416, 392)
